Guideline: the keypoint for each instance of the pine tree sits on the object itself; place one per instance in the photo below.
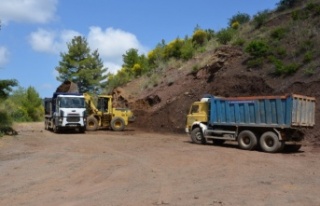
(82, 67)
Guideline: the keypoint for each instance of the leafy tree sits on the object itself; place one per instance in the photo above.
(82, 67)
(25, 105)
(6, 87)
(130, 58)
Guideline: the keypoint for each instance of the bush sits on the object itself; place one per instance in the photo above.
(278, 33)
(257, 48)
(260, 18)
(286, 4)
(239, 42)
(187, 50)
(308, 57)
(199, 37)
(255, 63)
(241, 18)
(281, 68)
(225, 35)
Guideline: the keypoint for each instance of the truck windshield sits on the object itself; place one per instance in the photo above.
(71, 102)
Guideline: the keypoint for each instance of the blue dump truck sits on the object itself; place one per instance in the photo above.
(271, 122)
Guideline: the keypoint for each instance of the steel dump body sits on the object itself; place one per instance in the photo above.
(262, 111)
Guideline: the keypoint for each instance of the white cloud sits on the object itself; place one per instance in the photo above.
(29, 11)
(4, 55)
(112, 44)
(50, 41)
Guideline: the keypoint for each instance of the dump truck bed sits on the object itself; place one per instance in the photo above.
(263, 111)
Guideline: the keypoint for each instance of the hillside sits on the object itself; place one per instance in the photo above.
(291, 66)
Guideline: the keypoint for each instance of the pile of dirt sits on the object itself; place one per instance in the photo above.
(164, 107)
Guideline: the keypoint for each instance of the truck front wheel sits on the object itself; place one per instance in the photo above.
(269, 142)
(197, 137)
(247, 140)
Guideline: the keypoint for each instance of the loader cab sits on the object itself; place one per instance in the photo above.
(104, 104)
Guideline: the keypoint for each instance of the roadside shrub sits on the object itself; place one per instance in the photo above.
(257, 48)
(225, 35)
(260, 18)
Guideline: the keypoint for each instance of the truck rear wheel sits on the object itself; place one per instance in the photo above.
(92, 123)
(269, 142)
(197, 137)
(117, 124)
(247, 140)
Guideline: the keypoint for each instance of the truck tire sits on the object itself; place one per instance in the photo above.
(247, 140)
(269, 142)
(117, 124)
(197, 136)
(55, 129)
(46, 126)
(92, 123)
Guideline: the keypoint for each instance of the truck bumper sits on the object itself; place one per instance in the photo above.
(187, 130)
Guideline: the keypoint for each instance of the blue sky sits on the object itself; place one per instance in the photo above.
(35, 32)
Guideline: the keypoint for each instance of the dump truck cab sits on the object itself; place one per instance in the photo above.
(65, 111)
(198, 112)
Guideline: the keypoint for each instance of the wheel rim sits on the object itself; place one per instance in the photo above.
(269, 142)
(91, 124)
(198, 136)
(117, 124)
(246, 140)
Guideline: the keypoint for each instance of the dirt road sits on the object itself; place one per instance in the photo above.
(38, 167)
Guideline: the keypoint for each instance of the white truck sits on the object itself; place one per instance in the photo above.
(65, 111)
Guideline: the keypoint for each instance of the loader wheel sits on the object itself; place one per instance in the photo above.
(197, 137)
(117, 124)
(92, 123)
(269, 142)
(247, 140)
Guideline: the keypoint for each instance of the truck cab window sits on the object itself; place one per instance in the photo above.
(195, 109)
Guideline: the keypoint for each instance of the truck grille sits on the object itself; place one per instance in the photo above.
(73, 118)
